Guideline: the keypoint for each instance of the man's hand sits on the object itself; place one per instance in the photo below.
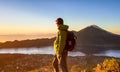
(59, 56)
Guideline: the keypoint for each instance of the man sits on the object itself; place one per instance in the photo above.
(59, 47)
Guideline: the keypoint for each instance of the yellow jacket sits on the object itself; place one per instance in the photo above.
(60, 42)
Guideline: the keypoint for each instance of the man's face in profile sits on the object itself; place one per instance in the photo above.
(57, 22)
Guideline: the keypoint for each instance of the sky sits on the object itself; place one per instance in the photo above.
(38, 16)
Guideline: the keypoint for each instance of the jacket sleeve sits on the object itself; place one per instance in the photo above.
(56, 43)
(62, 41)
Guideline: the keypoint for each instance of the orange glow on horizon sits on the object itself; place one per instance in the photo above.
(115, 31)
(4, 38)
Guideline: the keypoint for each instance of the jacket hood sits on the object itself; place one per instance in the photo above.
(63, 27)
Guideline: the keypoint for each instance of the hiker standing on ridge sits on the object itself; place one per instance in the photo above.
(60, 57)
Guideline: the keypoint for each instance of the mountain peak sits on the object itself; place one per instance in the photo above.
(95, 26)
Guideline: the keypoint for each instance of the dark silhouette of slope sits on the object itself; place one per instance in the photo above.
(94, 39)
(27, 43)
(96, 35)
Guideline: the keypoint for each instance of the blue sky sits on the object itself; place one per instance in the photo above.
(38, 16)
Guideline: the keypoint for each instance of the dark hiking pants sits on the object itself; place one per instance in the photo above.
(62, 62)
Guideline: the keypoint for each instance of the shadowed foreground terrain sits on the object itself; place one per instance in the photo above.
(42, 63)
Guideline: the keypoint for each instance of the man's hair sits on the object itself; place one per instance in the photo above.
(60, 20)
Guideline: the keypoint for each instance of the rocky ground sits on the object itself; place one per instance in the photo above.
(42, 63)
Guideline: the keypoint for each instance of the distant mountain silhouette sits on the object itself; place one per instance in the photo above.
(94, 39)
(96, 35)
(28, 43)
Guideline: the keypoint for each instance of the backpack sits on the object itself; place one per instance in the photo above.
(71, 41)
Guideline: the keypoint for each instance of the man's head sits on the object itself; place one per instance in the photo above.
(59, 21)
